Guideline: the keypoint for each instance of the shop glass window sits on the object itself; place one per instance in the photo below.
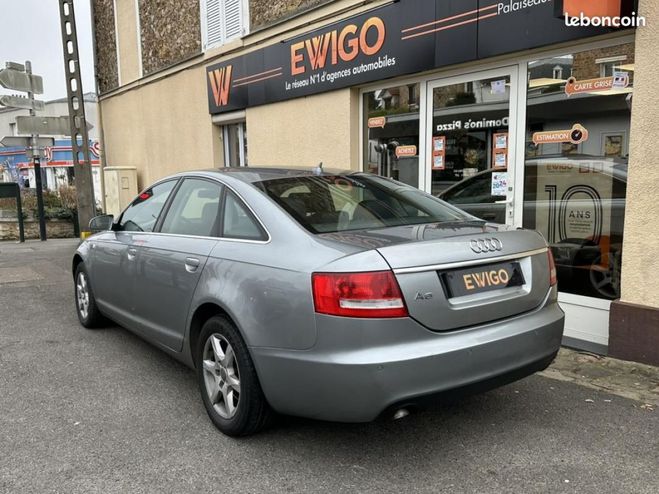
(577, 140)
(143, 212)
(469, 130)
(391, 120)
(195, 209)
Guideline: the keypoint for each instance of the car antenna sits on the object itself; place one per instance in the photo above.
(319, 169)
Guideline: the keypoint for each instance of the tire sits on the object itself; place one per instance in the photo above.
(86, 308)
(228, 382)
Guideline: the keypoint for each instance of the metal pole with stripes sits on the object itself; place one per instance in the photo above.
(82, 166)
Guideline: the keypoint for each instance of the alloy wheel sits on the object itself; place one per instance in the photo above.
(82, 294)
(221, 376)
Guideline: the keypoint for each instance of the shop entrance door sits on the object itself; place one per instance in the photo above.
(471, 143)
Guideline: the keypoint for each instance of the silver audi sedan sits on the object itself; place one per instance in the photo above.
(325, 294)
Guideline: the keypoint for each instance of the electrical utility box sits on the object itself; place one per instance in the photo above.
(120, 188)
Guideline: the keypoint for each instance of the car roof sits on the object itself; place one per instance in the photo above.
(254, 174)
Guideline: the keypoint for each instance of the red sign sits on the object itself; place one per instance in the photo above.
(405, 151)
(591, 85)
(590, 8)
(377, 122)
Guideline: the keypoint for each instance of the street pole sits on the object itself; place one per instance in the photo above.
(36, 160)
(82, 164)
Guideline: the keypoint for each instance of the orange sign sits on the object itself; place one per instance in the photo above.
(577, 134)
(405, 151)
(593, 85)
(334, 46)
(590, 8)
(376, 122)
(220, 80)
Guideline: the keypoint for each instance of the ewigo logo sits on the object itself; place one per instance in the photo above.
(338, 46)
(220, 80)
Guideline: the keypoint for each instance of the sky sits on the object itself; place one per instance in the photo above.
(31, 31)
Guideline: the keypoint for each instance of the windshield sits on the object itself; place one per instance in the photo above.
(332, 203)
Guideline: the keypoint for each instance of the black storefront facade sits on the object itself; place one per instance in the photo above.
(500, 107)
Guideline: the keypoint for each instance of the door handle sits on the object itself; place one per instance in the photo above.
(132, 252)
(191, 264)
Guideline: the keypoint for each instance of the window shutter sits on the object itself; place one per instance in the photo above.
(233, 18)
(214, 28)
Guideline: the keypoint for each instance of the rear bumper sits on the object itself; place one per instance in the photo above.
(360, 368)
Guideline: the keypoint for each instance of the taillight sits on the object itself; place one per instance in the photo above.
(552, 268)
(374, 294)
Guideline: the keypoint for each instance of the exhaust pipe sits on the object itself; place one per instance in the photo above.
(401, 413)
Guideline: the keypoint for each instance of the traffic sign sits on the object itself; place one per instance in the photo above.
(22, 102)
(21, 81)
(15, 66)
(45, 125)
(21, 141)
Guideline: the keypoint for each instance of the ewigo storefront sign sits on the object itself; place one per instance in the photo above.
(401, 38)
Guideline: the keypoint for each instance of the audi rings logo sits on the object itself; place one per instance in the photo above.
(483, 245)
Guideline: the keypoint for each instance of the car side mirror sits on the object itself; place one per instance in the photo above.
(101, 223)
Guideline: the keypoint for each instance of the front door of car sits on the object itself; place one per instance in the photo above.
(172, 259)
(115, 253)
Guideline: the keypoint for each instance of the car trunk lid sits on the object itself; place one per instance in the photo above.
(471, 278)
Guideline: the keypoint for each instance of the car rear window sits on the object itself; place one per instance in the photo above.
(333, 203)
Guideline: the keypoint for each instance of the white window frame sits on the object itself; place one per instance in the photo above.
(244, 31)
(241, 147)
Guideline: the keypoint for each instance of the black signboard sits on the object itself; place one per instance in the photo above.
(404, 37)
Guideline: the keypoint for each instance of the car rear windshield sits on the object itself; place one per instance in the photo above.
(333, 203)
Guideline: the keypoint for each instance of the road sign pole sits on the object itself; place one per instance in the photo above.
(36, 160)
(19, 213)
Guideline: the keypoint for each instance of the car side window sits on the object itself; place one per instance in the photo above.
(238, 221)
(195, 209)
(143, 212)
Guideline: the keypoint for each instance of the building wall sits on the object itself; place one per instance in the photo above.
(314, 129)
(162, 127)
(106, 47)
(640, 260)
(265, 12)
(127, 30)
(170, 32)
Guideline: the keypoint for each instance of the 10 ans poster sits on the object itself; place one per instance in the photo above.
(405, 37)
(576, 199)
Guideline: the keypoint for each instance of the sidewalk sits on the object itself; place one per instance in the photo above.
(631, 380)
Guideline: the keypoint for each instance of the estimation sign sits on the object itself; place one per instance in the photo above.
(403, 37)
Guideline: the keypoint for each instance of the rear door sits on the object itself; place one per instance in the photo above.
(171, 260)
(115, 254)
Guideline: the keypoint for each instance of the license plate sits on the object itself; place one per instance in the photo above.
(479, 279)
